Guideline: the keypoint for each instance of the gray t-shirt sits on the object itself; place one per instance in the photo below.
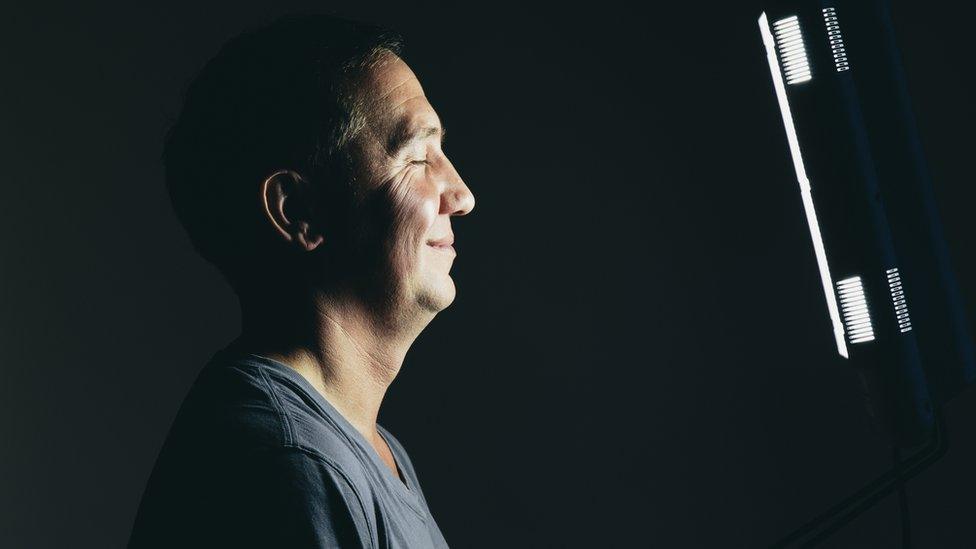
(258, 458)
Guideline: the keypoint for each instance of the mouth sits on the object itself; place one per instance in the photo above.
(443, 244)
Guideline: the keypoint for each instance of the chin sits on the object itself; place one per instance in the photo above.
(436, 298)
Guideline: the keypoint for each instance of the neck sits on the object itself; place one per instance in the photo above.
(348, 350)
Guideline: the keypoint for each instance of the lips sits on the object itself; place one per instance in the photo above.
(445, 242)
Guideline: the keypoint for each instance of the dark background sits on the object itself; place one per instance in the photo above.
(639, 353)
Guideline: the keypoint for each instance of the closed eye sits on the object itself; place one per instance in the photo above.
(419, 162)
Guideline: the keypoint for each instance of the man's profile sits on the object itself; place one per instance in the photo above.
(306, 165)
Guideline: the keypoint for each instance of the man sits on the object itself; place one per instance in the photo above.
(307, 166)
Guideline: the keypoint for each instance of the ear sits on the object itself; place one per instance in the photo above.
(289, 204)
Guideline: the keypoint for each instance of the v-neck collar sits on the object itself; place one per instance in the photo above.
(407, 492)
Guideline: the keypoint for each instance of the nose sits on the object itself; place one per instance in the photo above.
(456, 198)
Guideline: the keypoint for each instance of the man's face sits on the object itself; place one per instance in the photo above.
(410, 191)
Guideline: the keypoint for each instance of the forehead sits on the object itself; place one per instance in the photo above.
(395, 97)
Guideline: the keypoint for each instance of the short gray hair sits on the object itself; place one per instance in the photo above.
(277, 97)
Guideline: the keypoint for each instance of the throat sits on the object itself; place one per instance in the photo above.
(386, 456)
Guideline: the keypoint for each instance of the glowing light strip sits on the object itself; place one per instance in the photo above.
(835, 39)
(854, 305)
(792, 52)
(801, 177)
(898, 300)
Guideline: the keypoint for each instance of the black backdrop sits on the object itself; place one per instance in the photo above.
(639, 353)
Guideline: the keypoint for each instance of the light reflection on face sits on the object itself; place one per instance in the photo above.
(411, 192)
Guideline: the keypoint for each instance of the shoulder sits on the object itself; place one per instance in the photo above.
(248, 435)
(245, 403)
(263, 497)
(301, 495)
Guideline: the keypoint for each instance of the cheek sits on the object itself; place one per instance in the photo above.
(428, 213)
(414, 212)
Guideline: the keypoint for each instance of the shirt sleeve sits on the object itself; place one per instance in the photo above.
(300, 500)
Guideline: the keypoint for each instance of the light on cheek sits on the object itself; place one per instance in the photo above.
(429, 213)
(414, 215)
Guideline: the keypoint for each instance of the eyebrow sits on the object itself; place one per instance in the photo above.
(403, 135)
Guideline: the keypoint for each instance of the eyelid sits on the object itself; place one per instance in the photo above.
(425, 161)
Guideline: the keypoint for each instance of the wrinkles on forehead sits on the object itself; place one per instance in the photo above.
(387, 86)
(393, 104)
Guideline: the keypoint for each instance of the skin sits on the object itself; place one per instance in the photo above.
(348, 337)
